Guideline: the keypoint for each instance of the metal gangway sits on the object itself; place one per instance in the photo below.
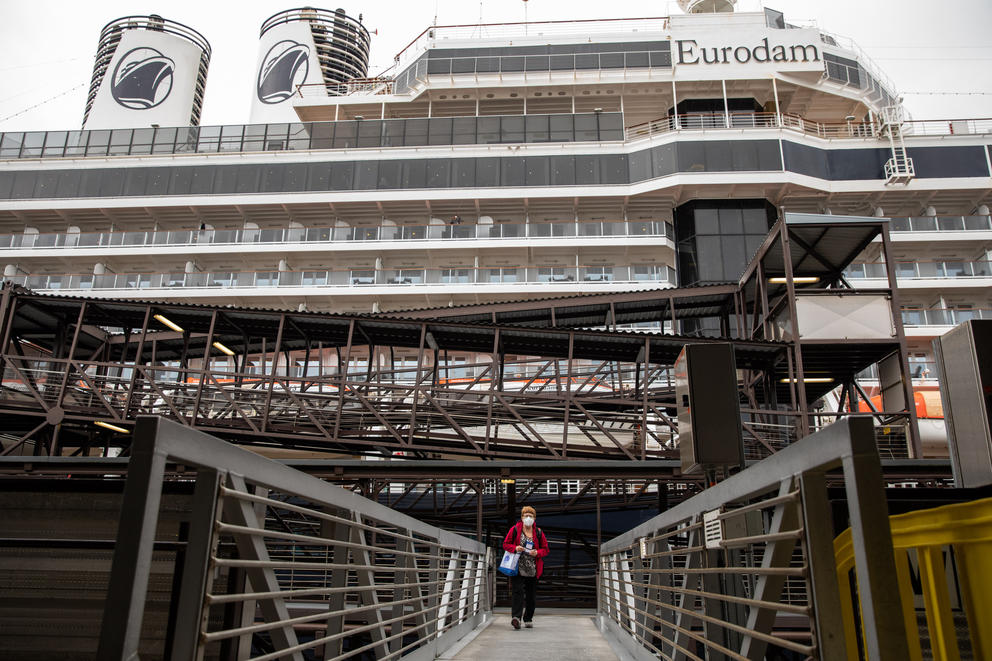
(276, 564)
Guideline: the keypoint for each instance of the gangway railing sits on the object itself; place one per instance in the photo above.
(748, 564)
(279, 562)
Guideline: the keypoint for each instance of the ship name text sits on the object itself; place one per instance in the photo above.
(691, 53)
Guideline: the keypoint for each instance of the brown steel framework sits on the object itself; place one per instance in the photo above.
(504, 381)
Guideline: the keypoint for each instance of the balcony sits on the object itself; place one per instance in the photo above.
(941, 224)
(922, 271)
(358, 280)
(943, 316)
(451, 231)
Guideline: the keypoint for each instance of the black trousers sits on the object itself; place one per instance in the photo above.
(523, 588)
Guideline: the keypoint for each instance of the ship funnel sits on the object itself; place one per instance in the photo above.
(306, 52)
(707, 6)
(148, 71)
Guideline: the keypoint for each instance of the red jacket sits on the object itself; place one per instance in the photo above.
(512, 540)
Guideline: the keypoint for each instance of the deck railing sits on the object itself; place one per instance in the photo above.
(354, 278)
(922, 270)
(442, 231)
(316, 568)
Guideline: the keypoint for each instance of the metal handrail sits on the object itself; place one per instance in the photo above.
(438, 580)
(725, 568)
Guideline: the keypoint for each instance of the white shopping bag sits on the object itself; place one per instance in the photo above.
(508, 565)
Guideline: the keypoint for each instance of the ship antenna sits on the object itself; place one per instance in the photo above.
(525, 17)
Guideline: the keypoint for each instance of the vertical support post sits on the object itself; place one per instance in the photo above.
(196, 569)
(120, 631)
(778, 108)
(790, 286)
(275, 367)
(726, 105)
(825, 598)
(915, 444)
(881, 609)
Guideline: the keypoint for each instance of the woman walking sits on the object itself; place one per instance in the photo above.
(526, 539)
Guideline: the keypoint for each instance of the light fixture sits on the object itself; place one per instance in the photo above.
(171, 324)
(107, 425)
(810, 379)
(799, 280)
(359, 117)
(506, 480)
(220, 347)
(597, 110)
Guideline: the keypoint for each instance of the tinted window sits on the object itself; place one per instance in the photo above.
(512, 171)
(562, 170)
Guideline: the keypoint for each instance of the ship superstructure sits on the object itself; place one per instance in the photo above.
(518, 161)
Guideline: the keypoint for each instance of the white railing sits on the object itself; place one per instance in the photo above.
(356, 86)
(749, 120)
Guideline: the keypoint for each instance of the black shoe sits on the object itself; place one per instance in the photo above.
(515, 622)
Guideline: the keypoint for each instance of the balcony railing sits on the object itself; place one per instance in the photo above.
(309, 235)
(941, 224)
(943, 316)
(921, 270)
(749, 120)
(358, 278)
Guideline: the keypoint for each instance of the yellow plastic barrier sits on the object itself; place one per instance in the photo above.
(967, 528)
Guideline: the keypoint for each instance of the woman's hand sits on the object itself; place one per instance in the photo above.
(520, 549)
(532, 552)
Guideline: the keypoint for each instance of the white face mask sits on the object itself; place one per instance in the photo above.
(528, 520)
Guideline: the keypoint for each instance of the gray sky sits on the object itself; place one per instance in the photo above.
(48, 45)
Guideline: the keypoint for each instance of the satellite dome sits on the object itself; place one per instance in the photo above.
(707, 6)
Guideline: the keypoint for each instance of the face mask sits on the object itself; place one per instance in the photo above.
(528, 520)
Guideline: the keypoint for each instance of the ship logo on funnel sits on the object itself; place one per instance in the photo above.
(142, 79)
(284, 68)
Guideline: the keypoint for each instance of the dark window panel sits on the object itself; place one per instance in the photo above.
(731, 220)
(322, 135)
(416, 132)
(272, 179)
(512, 129)
(745, 157)
(248, 178)
(611, 61)
(392, 134)
(342, 175)
(463, 131)
(537, 170)
(366, 175)
(538, 63)
(111, 182)
(415, 174)
(136, 182)
(68, 185)
(664, 160)
(613, 169)
(707, 220)
(639, 165)
(587, 170)
(562, 128)
(487, 172)
(296, 177)
(710, 258)
(438, 172)
(319, 177)
(439, 131)
(370, 133)
(7, 185)
(203, 180)
(46, 184)
(180, 181)
(225, 179)
(512, 171)
(537, 128)
(488, 130)
(510, 64)
(463, 172)
(562, 170)
(389, 175)
(158, 181)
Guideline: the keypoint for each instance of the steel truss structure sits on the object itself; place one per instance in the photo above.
(512, 380)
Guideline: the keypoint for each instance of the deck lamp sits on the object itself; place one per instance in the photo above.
(168, 322)
(107, 425)
(799, 280)
(223, 349)
(810, 379)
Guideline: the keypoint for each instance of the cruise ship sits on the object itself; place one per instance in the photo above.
(498, 163)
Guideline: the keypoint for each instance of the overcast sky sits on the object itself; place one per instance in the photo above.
(48, 45)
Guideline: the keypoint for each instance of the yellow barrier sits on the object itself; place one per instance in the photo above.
(967, 528)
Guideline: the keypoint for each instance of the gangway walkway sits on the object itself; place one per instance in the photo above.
(560, 636)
